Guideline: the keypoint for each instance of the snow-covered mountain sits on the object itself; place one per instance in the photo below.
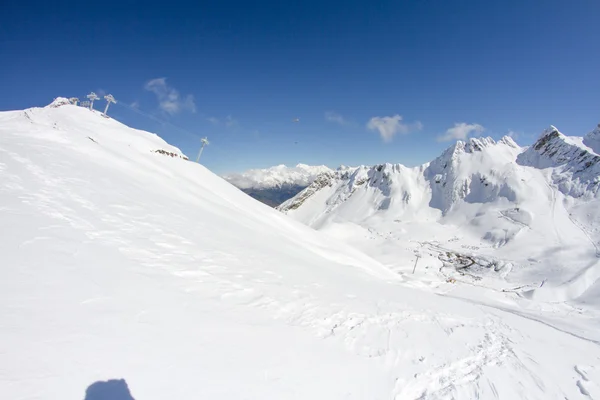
(120, 259)
(276, 184)
(535, 211)
(574, 163)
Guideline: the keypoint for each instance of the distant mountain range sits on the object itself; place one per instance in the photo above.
(277, 184)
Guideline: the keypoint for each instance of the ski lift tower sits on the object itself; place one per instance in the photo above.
(92, 96)
(109, 99)
(204, 142)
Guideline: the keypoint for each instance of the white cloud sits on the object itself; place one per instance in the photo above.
(460, 131)
(169, 99)
(228, 121)
(135, 104)
(388, 127)
(332, 116)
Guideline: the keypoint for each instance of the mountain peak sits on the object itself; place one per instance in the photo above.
(551, 131)
(592, 139)
(509, 141)
(576, 164)
(476, 144)
(548, 135)
(470, 145)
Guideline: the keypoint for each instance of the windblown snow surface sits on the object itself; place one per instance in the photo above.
(121, 262)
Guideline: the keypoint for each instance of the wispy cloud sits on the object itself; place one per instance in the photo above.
(332, 116)
(231, 122)
(135, 104)
(228, 121)
(169, 99)
(388, 127)
(460, 131)
(512, 134)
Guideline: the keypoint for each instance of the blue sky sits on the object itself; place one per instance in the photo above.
(371, 82)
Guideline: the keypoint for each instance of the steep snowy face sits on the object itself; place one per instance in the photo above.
(477, 171)
(575, 166)
(344, 181)
(592, 140)
(277, 176)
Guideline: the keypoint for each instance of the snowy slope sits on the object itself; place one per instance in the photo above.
(121, 262)
(277, 176)
(527, 216)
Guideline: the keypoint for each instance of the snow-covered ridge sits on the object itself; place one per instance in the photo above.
(575, 165)
(318, 183)
(447, 175)
(478, 144)
(60, 115)
(478, 170)
(277, 176)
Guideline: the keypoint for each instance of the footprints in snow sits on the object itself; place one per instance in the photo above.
(585, 385)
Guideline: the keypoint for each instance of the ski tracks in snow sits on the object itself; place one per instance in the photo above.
(553, 199)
